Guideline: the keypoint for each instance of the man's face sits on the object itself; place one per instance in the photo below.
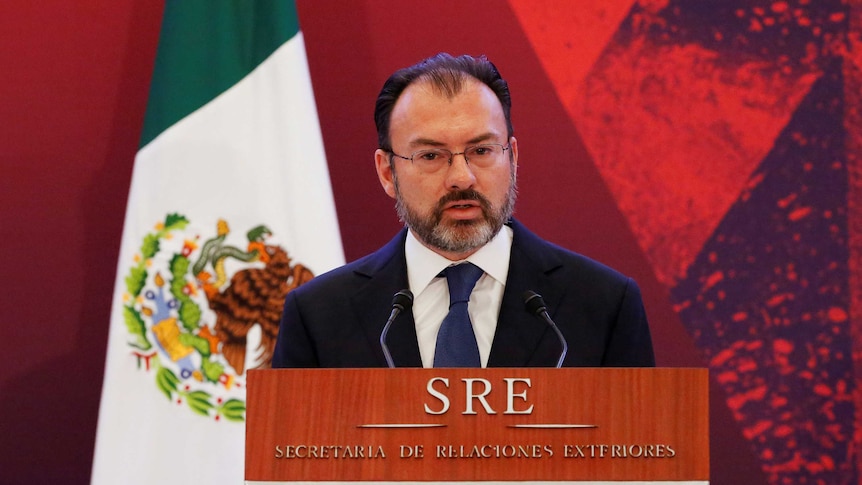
(457, 209)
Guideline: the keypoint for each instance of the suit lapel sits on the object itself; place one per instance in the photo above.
(386, 274)
(519, 333)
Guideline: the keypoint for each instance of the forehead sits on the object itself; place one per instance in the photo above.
(426, 110)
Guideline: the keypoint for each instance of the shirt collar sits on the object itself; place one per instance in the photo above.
(423, 264)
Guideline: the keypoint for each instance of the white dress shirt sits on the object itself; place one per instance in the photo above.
(431, 293)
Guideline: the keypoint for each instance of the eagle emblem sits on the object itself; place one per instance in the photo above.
(201, 310)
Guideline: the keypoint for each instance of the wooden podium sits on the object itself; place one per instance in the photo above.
(478, 425)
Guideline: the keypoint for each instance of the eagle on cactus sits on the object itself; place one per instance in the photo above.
(253, 297)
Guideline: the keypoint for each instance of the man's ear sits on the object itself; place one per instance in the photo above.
(384, 171)
(513, 144)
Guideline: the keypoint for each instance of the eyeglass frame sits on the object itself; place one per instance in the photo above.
(452, 154)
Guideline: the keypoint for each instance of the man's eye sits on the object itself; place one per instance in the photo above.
(483, 151)
(429, 156)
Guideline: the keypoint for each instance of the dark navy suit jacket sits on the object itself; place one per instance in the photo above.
(335, 320)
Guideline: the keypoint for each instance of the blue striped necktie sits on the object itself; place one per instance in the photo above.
(456, 342)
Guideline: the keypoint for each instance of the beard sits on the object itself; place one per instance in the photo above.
(457, 236)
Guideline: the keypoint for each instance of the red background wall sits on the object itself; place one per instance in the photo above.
(74, 83)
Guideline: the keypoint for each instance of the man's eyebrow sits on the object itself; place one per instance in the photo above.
(481, 138)
(436, 143)
(426, 142)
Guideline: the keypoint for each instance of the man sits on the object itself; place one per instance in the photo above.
(449, 159)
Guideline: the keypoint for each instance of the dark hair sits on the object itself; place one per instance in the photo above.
(447, 74)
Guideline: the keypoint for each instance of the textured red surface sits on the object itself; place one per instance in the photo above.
(693, 114)
(853, 124)
(675, 129)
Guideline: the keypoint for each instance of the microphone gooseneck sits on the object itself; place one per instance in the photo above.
(401, 301)
(535, 304)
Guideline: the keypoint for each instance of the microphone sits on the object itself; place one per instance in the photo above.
(534, 304)
(403, 300)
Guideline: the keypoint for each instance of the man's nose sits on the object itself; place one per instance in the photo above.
(460, 174)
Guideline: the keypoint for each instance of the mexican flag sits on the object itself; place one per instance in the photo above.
(229, 209)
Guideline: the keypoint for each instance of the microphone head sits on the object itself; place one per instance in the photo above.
(534, 303)
(403, 300)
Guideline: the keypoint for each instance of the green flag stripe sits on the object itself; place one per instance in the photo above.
(207, 46)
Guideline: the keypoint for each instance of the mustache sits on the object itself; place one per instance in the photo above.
(466, 194)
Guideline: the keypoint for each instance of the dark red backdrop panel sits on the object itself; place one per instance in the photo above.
(75, 82)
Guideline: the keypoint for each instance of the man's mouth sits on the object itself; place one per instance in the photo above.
(463, 210)
(461, 205)
(466, 205)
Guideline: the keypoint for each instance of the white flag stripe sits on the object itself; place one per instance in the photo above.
(252, 156)
(256, 149)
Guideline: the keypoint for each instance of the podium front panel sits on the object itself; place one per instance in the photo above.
(478, 425)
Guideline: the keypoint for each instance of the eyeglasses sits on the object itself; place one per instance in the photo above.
(433, 159)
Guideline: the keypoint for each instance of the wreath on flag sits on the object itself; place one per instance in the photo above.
(199, 313)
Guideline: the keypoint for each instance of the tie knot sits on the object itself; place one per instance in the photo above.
(461, 279)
